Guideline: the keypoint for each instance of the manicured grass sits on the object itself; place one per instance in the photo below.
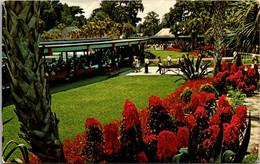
(163, 53)
(103, 100)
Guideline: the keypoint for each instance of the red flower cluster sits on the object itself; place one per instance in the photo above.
(149, 138)
(183, 137)
(155, 101)
(92, 122)
(215, 120)
(236, 77)
(112, 144)
(172, 49)
(130, 115)
(194, 53)
(191, 121)
(196, 101)
(142, 157)
(78, 159)
(200, 113)
(166, 146)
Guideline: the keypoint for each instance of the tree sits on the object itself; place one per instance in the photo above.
(219, 9)
(151, 23)
(127, 29)
(246, 34)
(29, 90)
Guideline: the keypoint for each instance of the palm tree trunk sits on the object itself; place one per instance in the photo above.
(219, 9)
(29, 90)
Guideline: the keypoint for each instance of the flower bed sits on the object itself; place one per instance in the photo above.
(158, 132)
(234, 76)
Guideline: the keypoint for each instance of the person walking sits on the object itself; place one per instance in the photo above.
(137, 64)
(146, 63)
(159, 65)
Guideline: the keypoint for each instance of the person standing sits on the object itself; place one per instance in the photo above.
(137, 64)
(159, 65)
(169, 60)
(146, 63)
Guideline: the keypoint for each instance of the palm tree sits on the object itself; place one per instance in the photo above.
(29, 90)
(219, 9)
(246, 35)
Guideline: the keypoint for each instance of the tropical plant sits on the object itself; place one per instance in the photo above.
(29, 89)
(237, 97)
(219, 10)
(228, 156)
(23, 149)
(192, 70)
(246, 35)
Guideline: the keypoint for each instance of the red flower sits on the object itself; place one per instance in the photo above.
(155, 101)
(241, 67)
(239, 119)
(233, 69)
(92, 122)
(210, 97)
(112, 144)
(183, 137)
(207, 144)
(251, 72)
(222, 102)
(200, 112)
(220, 74)
(241, 85)
(191, 121)
(224, 65)
(252, 87)
(238, 81)
(230, 133)
(130, 114)
(196, 101)
(149, 138)
(232, 78)
(238, 74)
(203, 160)
(215, 120)
(215, 130)
(78, 159)
(166, 146)
(142, 157)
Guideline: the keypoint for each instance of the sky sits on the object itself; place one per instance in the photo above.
(159, 6)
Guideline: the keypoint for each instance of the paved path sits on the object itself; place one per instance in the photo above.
(151, 71)
(253, 106)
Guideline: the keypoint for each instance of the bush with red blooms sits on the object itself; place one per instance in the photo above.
(130, 134)
(158, 132)
(94, 141)
(159, 119)
(234, 76)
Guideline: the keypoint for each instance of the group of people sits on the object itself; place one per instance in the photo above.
(136, 64)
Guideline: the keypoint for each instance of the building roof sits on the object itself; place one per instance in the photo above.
(164, 33)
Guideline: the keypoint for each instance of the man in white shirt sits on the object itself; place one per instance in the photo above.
(146, 63)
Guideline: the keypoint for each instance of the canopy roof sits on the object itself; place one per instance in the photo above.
(164, 33)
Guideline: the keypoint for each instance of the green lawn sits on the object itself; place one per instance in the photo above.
(103, 100)
(163, 53)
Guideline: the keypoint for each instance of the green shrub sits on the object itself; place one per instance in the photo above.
(186, 94)
(251, 158)
(209, 89)
(236, 97)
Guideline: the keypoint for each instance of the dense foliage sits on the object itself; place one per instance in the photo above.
(241, 77)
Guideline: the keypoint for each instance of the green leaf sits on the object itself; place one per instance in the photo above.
(227, 155)
(184, 150)
(217, 149)
(243, 148)
(176, 158)
(5, 122)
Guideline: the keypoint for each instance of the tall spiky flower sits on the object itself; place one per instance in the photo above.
(219, 9)
(28, 87)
